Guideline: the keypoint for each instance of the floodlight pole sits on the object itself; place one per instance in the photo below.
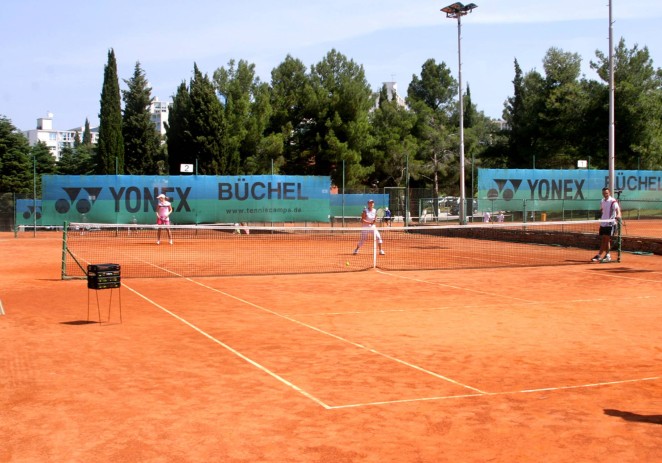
(612, 130)
(456, 11)
(34, 195)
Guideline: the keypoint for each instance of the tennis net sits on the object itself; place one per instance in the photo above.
(206, 250)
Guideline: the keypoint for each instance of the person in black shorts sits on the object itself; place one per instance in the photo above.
(610, 213)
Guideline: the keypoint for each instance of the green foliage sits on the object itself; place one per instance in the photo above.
(247, 110)
(339, 130)
(294, 105)
(435, 87)
(15, 160)
(44, 162)
(77, 161)
(110, 148)
(207, 127)
(141, 140)
(178, 131)
(325, 120)
(393, 141)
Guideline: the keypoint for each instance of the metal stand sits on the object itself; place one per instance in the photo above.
(104, 276)
(110, 303)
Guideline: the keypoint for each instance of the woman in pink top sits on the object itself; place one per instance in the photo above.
(163, 211)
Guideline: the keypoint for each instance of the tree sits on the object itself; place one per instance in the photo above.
(15, 160)
(44, 162)
(432, 98)
(340, 130)
(207, 126)
(87, 133)
(110, 148)
(76, 161)
(141, 140)
(293, 102)
(178, 131)
(638, 108)
(393, 142)
(435, 87)
(247, 110)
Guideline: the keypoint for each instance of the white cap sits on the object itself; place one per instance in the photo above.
(160, 196)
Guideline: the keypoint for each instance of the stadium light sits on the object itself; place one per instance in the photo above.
(456, 11)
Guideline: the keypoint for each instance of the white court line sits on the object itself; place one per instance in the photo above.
(340, 338)
(493, 394)
(234, 351)
(463, 306)
(418, 280)
(613, 275)
(478, 392)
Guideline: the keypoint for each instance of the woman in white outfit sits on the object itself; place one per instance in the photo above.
(368, 218)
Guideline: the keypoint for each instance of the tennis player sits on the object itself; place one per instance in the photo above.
(368, 219)
(610, 211)
(163, 211)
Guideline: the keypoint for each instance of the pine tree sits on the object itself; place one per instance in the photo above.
(141, 141)
(87, 134)
(206, 127)
(44, 163)
(178, 132)
(15, 162)
(110, 149)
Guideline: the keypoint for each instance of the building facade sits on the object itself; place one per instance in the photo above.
(57, 140)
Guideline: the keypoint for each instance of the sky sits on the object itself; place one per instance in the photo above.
(53, 53)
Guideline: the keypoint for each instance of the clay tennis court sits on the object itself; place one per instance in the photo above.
(554, 364)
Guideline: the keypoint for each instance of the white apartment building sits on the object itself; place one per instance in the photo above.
(57, 140)
(159, 111)
(391, 89)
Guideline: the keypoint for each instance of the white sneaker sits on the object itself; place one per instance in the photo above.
(356, 251)
(606, 259)
(381, 253)
(596, 258)
(158, 242)
(170, 241)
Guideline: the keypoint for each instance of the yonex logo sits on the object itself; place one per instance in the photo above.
(131, 199)
(501, 191)
(83, 205)
(32, 210)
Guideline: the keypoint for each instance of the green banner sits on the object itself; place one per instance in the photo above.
(195, 199)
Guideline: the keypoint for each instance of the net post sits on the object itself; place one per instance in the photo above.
(63, 267)
(374, 245)
(619, 241)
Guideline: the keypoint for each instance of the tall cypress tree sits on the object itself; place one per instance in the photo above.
(141, 141)
(110, 149)
(178, 131)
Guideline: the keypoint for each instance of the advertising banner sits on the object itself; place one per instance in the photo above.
(556, 190)
(195, 199)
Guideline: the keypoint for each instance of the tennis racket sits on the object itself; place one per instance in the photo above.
(380, 214)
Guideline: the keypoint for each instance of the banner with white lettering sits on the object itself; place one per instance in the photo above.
(557, 190)
(195, 199)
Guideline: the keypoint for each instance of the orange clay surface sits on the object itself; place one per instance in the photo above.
(545, 364)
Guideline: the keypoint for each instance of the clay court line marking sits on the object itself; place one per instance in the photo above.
(471, 306)
(493, 394)
(452, 286)
(630, 278)
(292, 320)
(234, 351)
(339, 338)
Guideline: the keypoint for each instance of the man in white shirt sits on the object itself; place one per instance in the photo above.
(610, 213)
